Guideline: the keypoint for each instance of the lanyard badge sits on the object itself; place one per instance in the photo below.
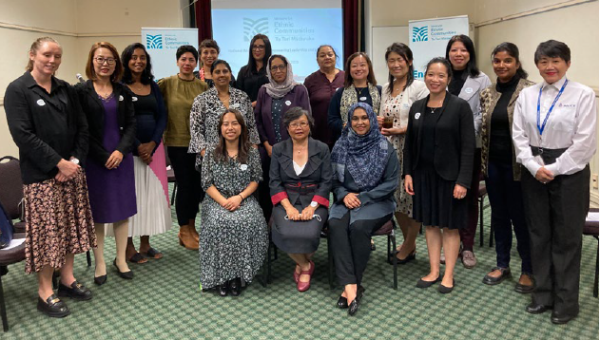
(542, 127)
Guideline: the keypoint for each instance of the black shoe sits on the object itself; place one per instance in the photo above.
(560, 318)
(77, 291)
(445, 290)
(223, 289)
(353, 307)
(53, 307)
(535, 308)
(235, 286)
(490, 280)
(524, 289)
(407, 259)
(100, 280)
(359, 292)
(126, 275)
(342, 302)
(373, 248)
(425, 284)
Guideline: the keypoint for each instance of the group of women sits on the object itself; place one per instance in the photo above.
(263, 147)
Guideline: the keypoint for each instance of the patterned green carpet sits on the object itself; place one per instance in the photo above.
(164, 302)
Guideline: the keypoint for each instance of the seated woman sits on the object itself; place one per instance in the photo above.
(233, 237)
(365, 168)
(300, 181)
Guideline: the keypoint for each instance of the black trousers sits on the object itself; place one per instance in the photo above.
(351, 246)
(555, 214)
(189, 189)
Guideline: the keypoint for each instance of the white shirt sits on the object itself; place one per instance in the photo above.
(297, 168)
(399, 106)
(571, 125)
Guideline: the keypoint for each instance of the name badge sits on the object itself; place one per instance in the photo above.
(469, 90)
(134, 99)
(362, 99)
(405, 106)
(288, 103)
(121, 98)
(417, 115)
(244, 167)
(41, 102)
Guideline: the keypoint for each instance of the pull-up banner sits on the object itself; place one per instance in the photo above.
(162, 45)
(429, 37)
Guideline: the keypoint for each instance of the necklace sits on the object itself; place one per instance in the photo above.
(299, 151)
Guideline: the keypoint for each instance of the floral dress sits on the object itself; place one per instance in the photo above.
(233, 244)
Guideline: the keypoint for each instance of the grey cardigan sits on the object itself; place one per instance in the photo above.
(470, 92)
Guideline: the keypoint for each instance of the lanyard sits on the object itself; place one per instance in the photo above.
(543, 126)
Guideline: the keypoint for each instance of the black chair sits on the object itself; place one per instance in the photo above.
(591, 228)
(8, 257)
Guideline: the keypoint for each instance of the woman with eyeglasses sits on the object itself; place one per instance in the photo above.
(300, 182)
(252, 76)
(111, 181)
(274, 100)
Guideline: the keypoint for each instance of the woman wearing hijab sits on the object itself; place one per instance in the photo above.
(274, 100)
(365, 177)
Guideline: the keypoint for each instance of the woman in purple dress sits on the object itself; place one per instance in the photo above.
(109, 110)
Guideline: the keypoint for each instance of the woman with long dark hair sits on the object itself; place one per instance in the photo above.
(254, 74)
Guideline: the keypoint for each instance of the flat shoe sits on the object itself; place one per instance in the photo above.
(223, 289)
(342, 302)
(126, 275)
(445, 290)
(353, 307)
(137, 258)
(53, 307)
(490, 280)
(235, 287)
(407, 259)
(153, 254)
(535, 308)
(76, 291)
(426, 284)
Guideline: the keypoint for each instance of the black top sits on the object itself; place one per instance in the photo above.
(334, 117)
(47, 127)
(150, 116)
(94, 111)
(251, 84)
(457, 82)
(500, 137)
(430, 117)
(454, 140)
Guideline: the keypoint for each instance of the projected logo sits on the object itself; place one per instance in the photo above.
(154, 41)
(254, 27)
(420, 34)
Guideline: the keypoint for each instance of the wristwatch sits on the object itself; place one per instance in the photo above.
(314, 204)
(75, 160)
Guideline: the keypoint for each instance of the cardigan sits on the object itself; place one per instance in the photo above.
(470, 92)
(160, 117)
(47, 127)
(454, 140)
(94, 111)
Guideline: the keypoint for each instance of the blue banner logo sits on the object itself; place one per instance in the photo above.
(254, 27)
(420, 34)
(154, 41)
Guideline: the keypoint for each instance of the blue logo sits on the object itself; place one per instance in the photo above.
(154, 41)
(420, 34)
(254, 27)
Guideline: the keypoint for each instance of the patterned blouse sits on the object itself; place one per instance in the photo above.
(205, 114)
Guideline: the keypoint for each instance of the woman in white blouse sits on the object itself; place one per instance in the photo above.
(397, 97)
(554, 133)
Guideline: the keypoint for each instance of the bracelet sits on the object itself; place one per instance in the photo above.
(241, 196)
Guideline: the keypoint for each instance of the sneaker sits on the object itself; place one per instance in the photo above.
(468, 259)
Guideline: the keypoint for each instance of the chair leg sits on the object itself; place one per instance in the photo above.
(491, 236)
(596, 280)
(392, 236)
(269, 261)
(481, 221)
(3, 307)
(330, 263)
(173, 194)
(89, 258)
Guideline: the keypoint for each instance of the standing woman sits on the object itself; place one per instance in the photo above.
(274, 100)
(499, 166)
(234, 236)
(321, 86)
(398, 95)
(49, 127)
(467, 83)
(178, 92)
(554, 132)
(254, 74)
(149, 163)
(111, 181)
(209, 106)
(438, 161)
(209, 53)
(359, 86)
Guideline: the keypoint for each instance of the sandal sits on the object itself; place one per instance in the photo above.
(153, 254)
(137, 258)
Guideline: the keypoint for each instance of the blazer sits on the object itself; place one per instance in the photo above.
(454, 140)
(94, 110)
(313, 183)
(470, 92)
(46, 127)
(489, 98)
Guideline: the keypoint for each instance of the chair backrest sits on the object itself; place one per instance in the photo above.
(11, 185)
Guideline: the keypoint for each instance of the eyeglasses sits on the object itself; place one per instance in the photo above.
(102, 60)
(258, 47)
(278, 67)
(299, 124)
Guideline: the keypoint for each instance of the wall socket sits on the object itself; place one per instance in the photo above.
(595, 181)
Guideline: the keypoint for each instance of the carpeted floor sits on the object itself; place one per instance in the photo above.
(164, 302)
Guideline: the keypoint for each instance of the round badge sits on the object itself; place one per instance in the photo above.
(405, 106)
(362, 99)
(121, 98)
(288, 103)
(244, 167)
(469, 90)
(134, 99)
(417, 115)
(41, 102)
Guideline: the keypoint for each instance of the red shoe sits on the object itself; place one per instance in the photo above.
(304, 286)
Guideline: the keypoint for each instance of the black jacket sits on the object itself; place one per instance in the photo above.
(94, 110)
(454, 140)
(46, 127)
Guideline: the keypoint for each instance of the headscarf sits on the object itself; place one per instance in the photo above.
(276, 90)
(364, 156)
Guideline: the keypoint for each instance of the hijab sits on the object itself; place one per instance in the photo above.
(276, 90)
(365, 157)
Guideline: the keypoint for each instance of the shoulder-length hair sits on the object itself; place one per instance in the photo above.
(89, 68)
(221, 155)
(405, 53)
(348, 78)
(251, 62)
(512, 51)
(126, 56)
(471, 69)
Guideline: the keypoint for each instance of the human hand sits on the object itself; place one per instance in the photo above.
(232, 203)
(269, 149)
(544, 175)
(408, 185)
(351, 201)
(66, 170)
(114, 160)
(459, 192)
(292, 214)
(307, 213)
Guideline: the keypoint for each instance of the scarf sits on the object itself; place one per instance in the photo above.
(364, 156)
(276, 90)
(349, 97)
